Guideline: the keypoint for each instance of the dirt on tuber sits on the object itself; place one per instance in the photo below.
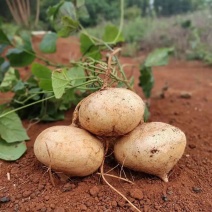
(111, 112)
(153, 148)
(70, 150)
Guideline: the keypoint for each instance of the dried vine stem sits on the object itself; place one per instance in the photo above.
(105, 180)
(107, 74)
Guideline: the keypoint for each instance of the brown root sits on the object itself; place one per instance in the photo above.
(117, 177)
(50, 165)
(105, 180)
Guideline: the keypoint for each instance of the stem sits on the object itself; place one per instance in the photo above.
(121, 21)
(25, 99)
(41, 58)
(85, 83)
(108, 72)
(101, 42)
(37, 12)
(13, 12)
(25, 106)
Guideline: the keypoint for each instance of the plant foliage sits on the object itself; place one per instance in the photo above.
(51, 88)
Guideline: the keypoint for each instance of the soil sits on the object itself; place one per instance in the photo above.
(186, 104)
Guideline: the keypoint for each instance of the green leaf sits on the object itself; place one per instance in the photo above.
(44, 76)
(76, 75)
(60, 80)
(9, 80)
(19, 86)
(159, 57)
(69, 26)
(3, 38)
(80, 3)
(12, 151)
(110, 34)
(3, 69)
(11, 129)
(69, 98)
(64, 32)
(51, 112)
(146, 80)
(88, 48)
(52, 11)
(67, 9)
(26, 40)
(48, 43)
(19, 58)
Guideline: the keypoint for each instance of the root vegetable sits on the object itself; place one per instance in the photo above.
(111, 112)
(152, 148)
(70, 150)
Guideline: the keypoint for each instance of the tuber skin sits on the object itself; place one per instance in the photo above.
(70, 150)
(111, 112)
(153, 148)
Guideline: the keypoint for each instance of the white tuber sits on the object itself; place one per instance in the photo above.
(111, 112)
(69, 150)
(152, 148)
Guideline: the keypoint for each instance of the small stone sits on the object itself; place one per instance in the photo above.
(46, 198)
(164, 198)
(39, 206)
(157, 207)
(196, 189)
(170, 192)
(26, 194)
(5, 199)
(136, 194)
(34, 178)
(67, 187)
(52, 206)
(18, 196)
(192, 146)
(59, 209)
(41, 187)
(83, 207)
(94, 191)
(16, 207)
(185, 95)
(32, 196)
(121, 204)
(114, 203)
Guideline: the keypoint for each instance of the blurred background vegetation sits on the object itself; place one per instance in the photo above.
(149, 24)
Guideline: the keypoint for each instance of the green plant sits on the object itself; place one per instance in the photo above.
(52, 88)
(158, 57)
(135, 29)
